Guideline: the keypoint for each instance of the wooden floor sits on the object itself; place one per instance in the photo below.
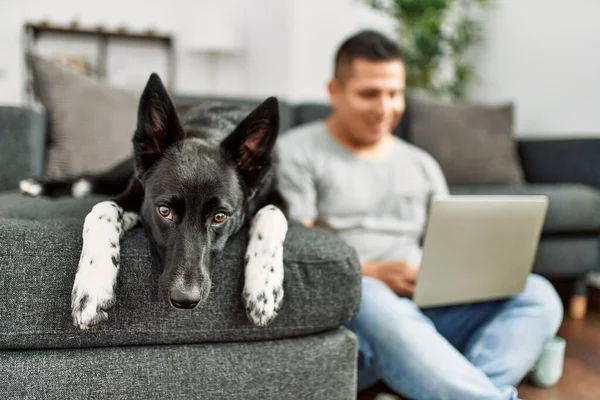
(581, 376)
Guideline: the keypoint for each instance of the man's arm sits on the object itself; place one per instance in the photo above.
(369, 268)
(435, 175)
(296, 181)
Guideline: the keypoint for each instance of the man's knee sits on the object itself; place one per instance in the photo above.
(542, 296)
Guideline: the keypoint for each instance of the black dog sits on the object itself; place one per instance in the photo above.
(198, 177)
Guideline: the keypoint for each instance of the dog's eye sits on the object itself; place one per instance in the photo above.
(165, 212)
(219, 218)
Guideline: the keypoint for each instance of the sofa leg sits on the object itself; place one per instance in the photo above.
(578, 301)
(578, 307)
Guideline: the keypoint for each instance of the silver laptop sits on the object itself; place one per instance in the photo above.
(478, 248)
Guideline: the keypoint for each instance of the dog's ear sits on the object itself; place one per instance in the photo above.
(251, 143)
(158, 125)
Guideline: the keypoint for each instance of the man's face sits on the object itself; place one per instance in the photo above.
(369, 99)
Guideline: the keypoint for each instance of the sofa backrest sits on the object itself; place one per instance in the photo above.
(290, 115)
(537, 157)
(23, 134)
(22, 141)
(286, 112)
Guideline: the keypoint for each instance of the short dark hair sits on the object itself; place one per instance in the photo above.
(367, 44)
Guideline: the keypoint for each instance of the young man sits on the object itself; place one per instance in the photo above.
(350, 174)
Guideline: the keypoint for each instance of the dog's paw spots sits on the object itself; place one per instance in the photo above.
(278, 296)
(90, 312)
(108, 220)
(263, 286)
(81, 188)
(262, 307)
(30, 187)
(93, 292)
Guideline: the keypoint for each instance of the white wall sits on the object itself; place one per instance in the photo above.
(542, 54)
(319, 28)
(545, 56)
(266, 32)
(135, 14)
(260, 67)
(286, 46)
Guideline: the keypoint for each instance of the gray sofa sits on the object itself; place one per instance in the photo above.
(146, 350)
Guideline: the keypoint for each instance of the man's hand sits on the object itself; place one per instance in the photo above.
(309, 223)
(399, 275)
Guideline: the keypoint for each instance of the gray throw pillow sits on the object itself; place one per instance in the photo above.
(473, 143)
(90, 123)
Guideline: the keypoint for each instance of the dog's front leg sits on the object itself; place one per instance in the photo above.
(263, 286)
(94, 288)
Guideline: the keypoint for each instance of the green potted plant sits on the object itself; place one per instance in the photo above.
(432, 32)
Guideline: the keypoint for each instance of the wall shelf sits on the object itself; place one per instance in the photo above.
(33, 32)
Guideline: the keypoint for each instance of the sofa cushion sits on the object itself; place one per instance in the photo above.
(38, 260)
(15, 205)
(572, 208)
(568, 159)
(312, 367)
(90, 123)
(473, 143)
(309, 112)
(567, 256)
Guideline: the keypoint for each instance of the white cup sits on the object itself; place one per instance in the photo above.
(549, 367)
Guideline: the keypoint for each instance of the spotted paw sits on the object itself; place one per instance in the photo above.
(262, 304)
(93, 292)
(94, 288)
(263, 288)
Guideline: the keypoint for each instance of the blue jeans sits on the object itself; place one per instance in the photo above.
(474, 351)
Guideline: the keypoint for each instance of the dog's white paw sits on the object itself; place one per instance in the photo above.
(263, 292)
(30, 187)
(93, 295)
(94, 288)
(263, 286)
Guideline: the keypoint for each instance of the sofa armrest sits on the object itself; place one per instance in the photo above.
(38, 260)
(22, 142)
(561, 160)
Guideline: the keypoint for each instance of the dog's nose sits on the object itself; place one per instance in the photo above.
(185, 299)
